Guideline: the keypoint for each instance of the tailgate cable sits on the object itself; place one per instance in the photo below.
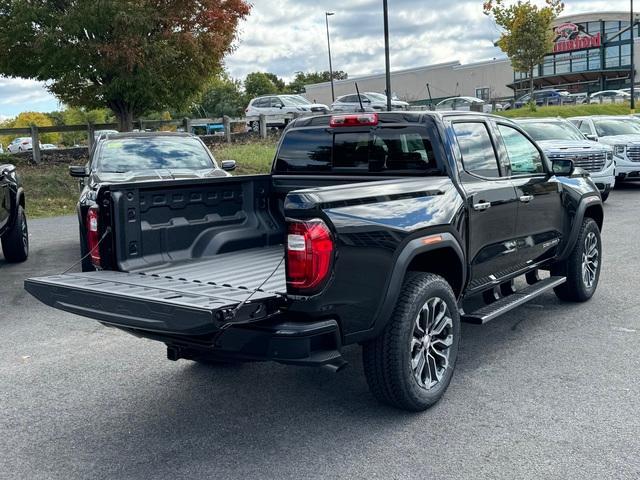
(235, 311)
(104, 235)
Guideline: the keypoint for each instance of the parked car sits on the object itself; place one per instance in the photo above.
(14, 234)
(636, 91)
(541, 97)
(1, 149)
(371, 102)
(377, 229)
(465, 104)
(281, 105)
(21, 144)
(560, 139)
(48, 146)
(99, 133)
(621, 133)
(127, 158)
(609, 96)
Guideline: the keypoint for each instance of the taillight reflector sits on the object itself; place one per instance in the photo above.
(93, 237)
(354, 120)
(309, 255)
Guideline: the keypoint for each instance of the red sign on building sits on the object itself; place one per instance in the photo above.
(570, 37)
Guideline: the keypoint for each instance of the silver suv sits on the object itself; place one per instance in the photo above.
(371, 101)
(282, 105)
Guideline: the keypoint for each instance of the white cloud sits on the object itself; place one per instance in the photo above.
(19, 95)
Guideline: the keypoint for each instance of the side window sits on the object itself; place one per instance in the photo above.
(276, 102)
(478, 154)
(524, 156)
(585, 127)
(261, 103)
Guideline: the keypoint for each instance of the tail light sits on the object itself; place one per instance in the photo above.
(309, 255)
(25, 143)
(93, 237)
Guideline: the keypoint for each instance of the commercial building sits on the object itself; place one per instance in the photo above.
(592, 52)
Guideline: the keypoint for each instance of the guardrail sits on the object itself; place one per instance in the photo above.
(260, 123)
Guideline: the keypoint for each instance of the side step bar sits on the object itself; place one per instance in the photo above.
(505, 304)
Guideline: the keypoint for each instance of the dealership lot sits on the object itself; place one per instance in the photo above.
(549, 390)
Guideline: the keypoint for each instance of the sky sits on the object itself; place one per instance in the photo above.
(286, 36)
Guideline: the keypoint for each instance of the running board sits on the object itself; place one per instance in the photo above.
(505, 304)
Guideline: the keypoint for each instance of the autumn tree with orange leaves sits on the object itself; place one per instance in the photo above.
(527, 34)
(130, 56)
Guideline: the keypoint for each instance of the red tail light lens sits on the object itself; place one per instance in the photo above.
(93, 238)
(309, 255)
(355, 120)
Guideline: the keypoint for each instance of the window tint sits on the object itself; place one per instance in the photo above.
(523, 155)
(388, 150)
(478, 155)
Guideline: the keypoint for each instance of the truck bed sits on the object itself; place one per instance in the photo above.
(244, 269)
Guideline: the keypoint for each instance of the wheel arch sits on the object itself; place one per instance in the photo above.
(590, 207)
(445, 262)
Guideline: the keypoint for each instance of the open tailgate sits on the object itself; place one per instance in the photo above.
(153, 303)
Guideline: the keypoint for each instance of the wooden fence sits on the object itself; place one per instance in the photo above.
(262, 122)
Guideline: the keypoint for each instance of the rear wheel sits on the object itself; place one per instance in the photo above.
(410, 365)
(582, 268)
(15, 242)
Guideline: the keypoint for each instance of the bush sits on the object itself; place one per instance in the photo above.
(568, 111)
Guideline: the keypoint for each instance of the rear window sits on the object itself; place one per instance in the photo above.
(389, 150)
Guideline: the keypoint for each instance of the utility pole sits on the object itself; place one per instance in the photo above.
(333, 92)
(386, 53)
(632, 73)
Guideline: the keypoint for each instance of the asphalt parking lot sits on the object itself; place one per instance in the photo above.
(550, 390)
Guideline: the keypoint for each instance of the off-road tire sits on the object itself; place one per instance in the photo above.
(15, 241)
(387, 358)
(575, 289)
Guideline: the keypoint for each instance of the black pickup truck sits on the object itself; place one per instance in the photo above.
(14, 234)
(383, 229)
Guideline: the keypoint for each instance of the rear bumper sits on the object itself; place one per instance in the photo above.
(295, 343)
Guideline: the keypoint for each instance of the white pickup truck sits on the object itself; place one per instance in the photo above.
(560, 139)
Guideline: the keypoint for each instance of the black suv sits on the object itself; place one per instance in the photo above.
(380, 229)
(13, 221)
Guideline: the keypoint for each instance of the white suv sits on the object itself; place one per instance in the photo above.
(281, 105)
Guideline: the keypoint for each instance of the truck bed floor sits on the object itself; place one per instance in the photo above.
(241, 269)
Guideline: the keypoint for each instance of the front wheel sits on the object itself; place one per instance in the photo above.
(15, 242)
(410, 365)
(582, 268)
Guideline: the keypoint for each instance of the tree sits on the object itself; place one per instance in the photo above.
(301, 79)
(259, 83)
(527, 31)
(25, 120)
(223, 96)
(129, 56)
(77, 116)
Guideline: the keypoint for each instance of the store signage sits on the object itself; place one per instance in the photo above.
(570, 37)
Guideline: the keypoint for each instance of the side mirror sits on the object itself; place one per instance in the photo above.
(6, 169)
(564, 168)
(78, 171)
(591, 136)
(228, 165)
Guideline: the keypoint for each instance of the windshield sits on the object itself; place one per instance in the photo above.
(294, 100)
(609, 127)
(153, 153)
(552, 131)
(377, 97)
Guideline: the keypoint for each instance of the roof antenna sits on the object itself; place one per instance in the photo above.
(359, 97)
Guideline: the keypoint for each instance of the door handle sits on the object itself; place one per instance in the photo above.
(479, 207)
(526, 198)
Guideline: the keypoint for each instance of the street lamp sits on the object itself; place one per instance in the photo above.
(333, 92)
(386, 53)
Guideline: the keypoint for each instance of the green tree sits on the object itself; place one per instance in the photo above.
(301, 79)
(78, 116)
(131, 57)
(223, 96)
(259, 83)
(26, 119)
(527, 34)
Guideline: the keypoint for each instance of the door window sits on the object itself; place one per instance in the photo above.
(585, 128)
(478, 154)
(525, 158)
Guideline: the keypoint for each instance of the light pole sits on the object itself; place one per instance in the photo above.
(333, 92)
(386, 53)
(633, 66)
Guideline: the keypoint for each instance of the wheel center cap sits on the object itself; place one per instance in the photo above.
(426, 341)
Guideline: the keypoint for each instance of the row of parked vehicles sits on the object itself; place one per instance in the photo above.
(384, 229)
(552, 96)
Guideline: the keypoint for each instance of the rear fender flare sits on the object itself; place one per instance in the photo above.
(408, 253)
